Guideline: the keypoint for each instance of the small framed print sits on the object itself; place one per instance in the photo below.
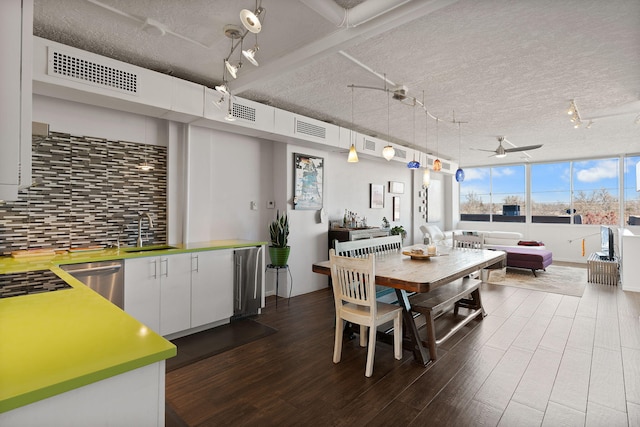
(396, 208)
(396, 187)
(377, 196)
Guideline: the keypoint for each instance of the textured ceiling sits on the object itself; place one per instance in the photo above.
(504, 67)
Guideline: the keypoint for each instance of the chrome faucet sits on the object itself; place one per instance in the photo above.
(141, 215)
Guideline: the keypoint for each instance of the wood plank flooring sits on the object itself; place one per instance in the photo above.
(537, 359)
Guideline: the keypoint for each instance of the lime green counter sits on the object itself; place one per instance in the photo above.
(54, 342)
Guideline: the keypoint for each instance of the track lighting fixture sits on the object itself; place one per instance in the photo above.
(575, 115)
(252, 24)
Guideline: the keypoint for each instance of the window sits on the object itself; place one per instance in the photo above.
(551, 192)
(475, 195)
(632, 190)
(493, 194)
(595, 191)
(508, 193)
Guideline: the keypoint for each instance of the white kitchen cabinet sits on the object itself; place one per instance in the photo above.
(16, 29)
(211, 286)
(157, 292)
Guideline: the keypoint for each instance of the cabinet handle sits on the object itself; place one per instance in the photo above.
(197, 263)
(155, 269)
(166, 267)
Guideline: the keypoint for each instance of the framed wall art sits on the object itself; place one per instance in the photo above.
(396, 208)
(396, 187)
(308, 179)
(376, 196)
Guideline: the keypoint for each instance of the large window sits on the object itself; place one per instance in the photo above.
(595, 191)
(579, 192)
(632, 190)
(493, 194)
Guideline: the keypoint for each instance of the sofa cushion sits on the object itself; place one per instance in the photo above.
(434, 232)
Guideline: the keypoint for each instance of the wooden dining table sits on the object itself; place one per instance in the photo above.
(407, 275)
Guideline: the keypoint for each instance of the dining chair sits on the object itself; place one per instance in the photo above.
(355, 299)
(468, 241)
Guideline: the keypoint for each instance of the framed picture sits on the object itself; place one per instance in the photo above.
(396, 208)
(396, 187)
(308, 179)
(377, 196)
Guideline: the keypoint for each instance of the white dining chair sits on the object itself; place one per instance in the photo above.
(468, 241)
(355, 299)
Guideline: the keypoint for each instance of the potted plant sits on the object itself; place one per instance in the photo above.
(398, 229)
(279, 234)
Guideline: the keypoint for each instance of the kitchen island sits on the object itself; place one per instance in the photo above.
(70, 357)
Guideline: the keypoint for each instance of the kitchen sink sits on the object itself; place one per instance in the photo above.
(148, 248)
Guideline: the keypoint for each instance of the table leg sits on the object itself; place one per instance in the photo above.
(420, 354)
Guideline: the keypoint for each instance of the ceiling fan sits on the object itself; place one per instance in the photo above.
(502, 152)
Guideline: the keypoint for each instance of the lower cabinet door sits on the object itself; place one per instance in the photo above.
(142, 290)
(211, 286)
(175, 293)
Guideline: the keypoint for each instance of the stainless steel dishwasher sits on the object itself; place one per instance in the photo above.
(104, 277)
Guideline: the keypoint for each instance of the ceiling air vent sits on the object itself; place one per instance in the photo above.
(446, 166)
(240, 111)
(369, 145)
(310, 129)
(74, 68)
(401, 154)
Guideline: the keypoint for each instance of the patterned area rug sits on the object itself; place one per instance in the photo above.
(557, 279)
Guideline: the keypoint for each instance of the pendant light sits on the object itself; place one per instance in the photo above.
(437, 165)
(388, 151)
(414, 164)
(426, 176)
(353, 154)
(459, 171)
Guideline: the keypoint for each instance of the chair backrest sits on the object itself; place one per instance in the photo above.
(353, 280)
(465, 241)
(364, 247)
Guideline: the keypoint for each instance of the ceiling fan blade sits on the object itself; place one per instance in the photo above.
(526, 148)
(482, 149)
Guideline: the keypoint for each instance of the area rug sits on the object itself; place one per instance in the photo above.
(556, 279)
(201, 345)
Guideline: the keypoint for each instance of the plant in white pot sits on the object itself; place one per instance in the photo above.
(279, 234)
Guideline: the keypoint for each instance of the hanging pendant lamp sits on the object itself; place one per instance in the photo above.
(459, 171)
(353, 154)
(414, 164)
(437, 165)
(426, 176)
(388, 152)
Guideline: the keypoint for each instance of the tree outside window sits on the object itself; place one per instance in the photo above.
(632, 190)
(595, 191)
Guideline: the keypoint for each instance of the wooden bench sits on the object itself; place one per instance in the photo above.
(434, 303)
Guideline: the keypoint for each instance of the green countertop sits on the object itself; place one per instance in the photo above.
(54, 342)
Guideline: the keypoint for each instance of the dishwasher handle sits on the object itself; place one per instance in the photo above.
(94, 269)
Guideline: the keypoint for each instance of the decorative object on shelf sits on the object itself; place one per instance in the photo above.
(385, 222)
(376, 196)
(398, 229)
(308, 180)
(353, 154)
(396, 187)
(396, 208)
(279, 235)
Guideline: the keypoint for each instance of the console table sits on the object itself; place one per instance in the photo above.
(602, 271)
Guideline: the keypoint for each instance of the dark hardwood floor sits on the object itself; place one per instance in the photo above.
(537, 359)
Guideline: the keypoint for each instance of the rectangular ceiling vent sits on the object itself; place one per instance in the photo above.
(244, 112)
(369, 145)
(74, 68)
(310, 129)
(401, 154)
(445, 166)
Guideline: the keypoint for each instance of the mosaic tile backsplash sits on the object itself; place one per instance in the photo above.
(87, 191)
